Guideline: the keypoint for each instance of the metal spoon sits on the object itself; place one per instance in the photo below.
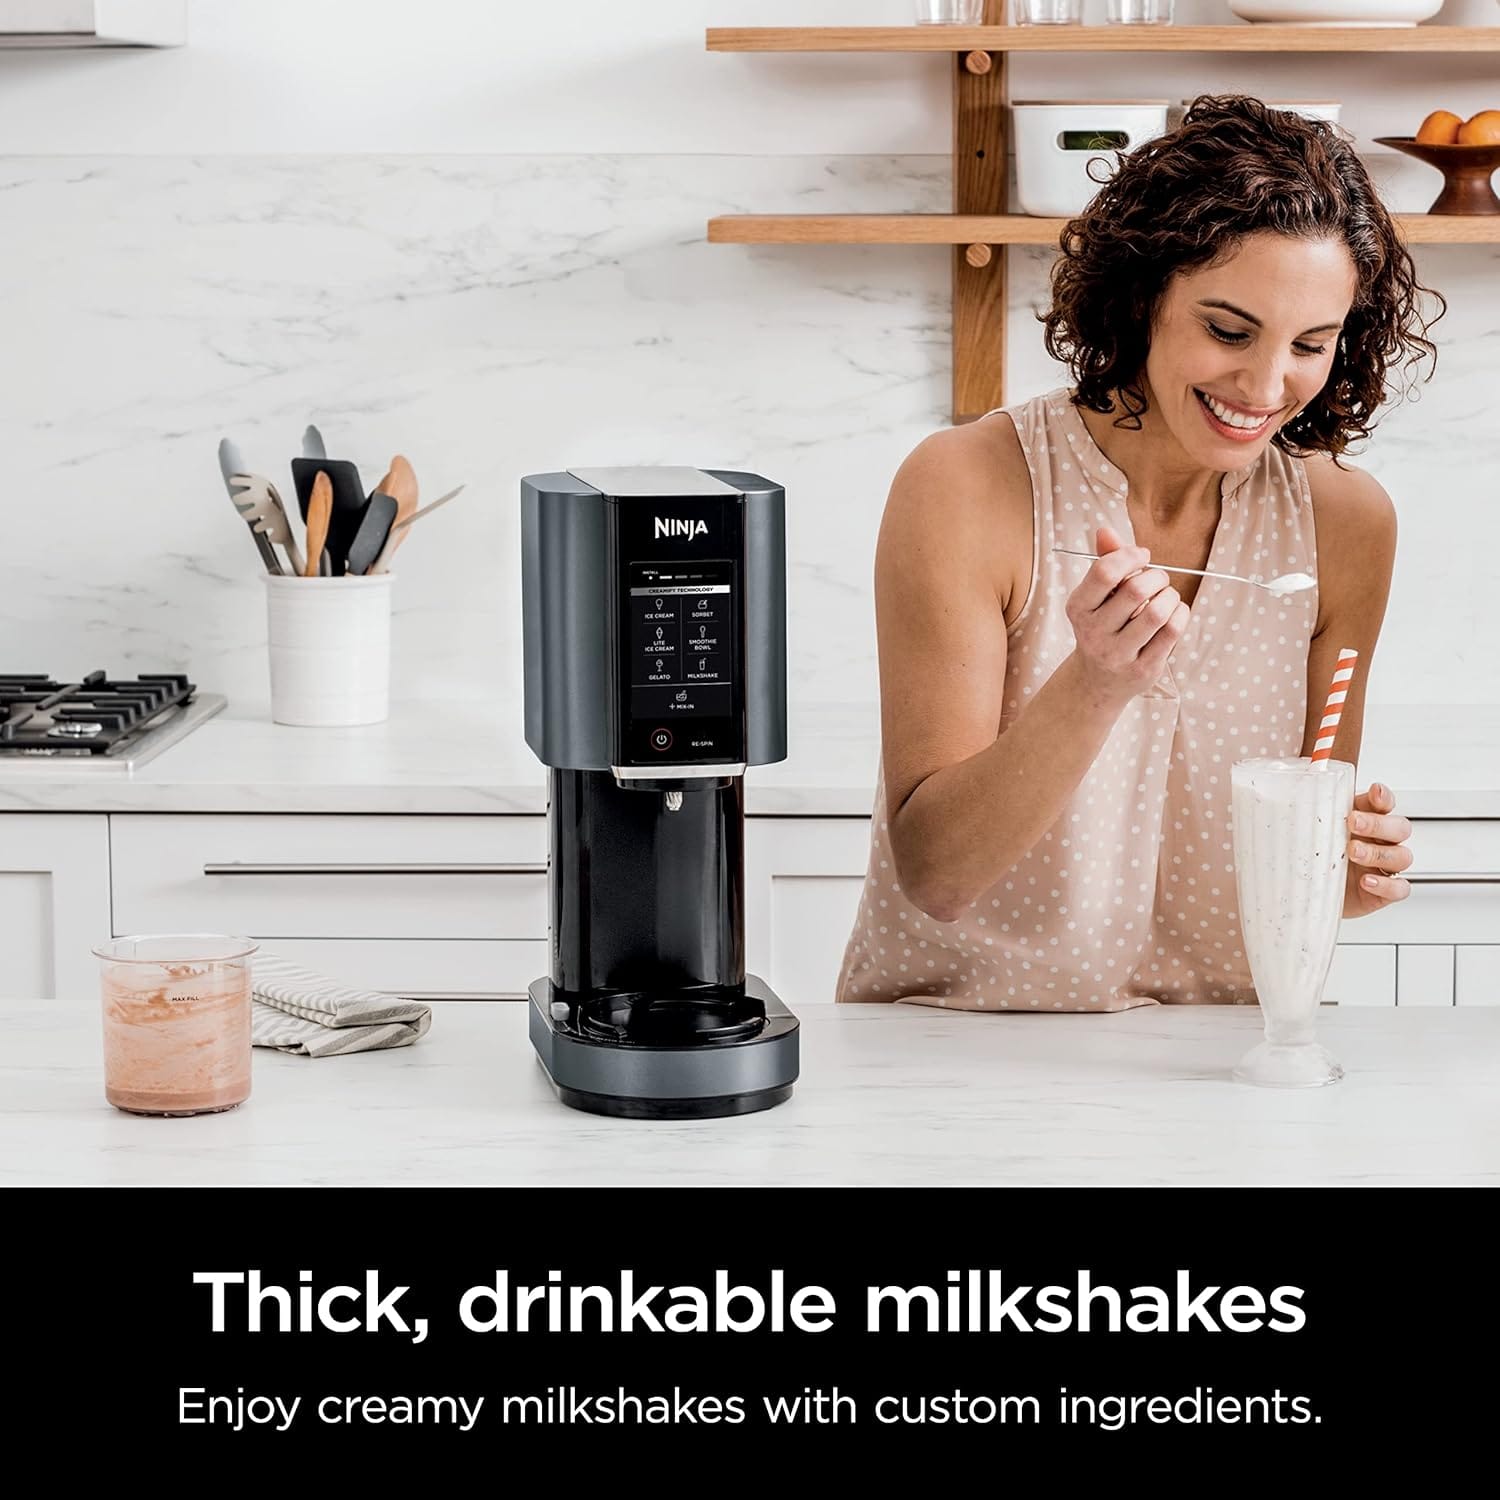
(1287, 583)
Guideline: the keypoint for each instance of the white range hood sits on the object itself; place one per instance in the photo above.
(93, 23)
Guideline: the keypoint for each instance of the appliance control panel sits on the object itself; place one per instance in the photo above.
(678, 622)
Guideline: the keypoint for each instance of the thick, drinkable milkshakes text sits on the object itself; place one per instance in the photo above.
(987, 1301)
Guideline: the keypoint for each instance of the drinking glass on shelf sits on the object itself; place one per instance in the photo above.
(1138, 12)
(950, 12)
(1047, 12)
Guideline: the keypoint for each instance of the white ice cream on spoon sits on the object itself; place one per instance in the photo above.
(1290, 583)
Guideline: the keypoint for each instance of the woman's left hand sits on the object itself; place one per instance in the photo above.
(1377, 853)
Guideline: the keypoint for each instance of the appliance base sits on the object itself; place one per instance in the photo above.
(717, 1108)
(691, 1081)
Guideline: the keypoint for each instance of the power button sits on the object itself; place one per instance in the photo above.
(661, 739)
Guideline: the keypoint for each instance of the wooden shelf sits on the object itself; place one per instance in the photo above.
(1007, 229)
(979, 224)
(1104, 39)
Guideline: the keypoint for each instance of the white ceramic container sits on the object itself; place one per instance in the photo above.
(1055, 140)
(330, 649)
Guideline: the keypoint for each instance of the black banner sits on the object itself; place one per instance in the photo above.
(1060, 1325)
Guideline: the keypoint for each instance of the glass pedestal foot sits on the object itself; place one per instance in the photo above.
(1277, 1065)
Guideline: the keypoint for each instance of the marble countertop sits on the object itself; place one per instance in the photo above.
(451, 757)
(439, 757)
(888, 1095)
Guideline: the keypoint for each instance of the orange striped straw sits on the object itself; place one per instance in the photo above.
(1333, 710)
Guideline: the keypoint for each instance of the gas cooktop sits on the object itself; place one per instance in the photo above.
(100, 723)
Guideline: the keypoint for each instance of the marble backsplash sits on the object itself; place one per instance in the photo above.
(489, 316)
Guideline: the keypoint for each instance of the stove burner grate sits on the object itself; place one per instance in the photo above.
(97, 716)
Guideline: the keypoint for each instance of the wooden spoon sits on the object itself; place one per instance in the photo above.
(319, 511)
(400, 483)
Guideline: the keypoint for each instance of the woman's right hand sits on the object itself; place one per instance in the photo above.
(1127, 619)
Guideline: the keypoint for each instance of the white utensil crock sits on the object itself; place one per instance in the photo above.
(330, 649)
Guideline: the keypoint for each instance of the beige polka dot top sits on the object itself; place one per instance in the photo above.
(1129, 898)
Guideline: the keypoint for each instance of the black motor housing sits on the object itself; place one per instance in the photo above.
(654, 604)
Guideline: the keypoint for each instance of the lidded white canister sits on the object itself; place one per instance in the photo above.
(1056, 140)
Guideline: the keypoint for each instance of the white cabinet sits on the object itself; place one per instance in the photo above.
(1424, 974)
(1445, 912)
(332, 876)
(1476, 974)
(93, 23)
(422, 969)
(457, 905)
(54, 903)
(1362, 974)
(803, 878)
(1455, 880)
(422, 906)
(1444, 935)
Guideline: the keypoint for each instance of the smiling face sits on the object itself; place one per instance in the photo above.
(1238, 349)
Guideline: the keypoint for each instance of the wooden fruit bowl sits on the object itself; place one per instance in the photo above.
(1466, 173)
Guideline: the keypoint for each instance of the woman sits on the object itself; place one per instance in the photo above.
(1052, 830)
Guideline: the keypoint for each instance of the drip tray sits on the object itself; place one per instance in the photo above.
(692, 1019)
(692, 1055)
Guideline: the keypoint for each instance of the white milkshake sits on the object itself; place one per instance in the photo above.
(1291, 858)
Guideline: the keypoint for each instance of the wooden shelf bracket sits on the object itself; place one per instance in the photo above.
(979, 187)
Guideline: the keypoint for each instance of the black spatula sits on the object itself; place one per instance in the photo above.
(348, 501)
(374, 527)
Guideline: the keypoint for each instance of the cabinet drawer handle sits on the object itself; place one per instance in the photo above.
(461, 994)
(1450, 877)
(379, 869)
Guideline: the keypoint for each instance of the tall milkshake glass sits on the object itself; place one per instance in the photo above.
(1291, 860)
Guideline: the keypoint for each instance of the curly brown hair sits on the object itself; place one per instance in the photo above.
(1186, 200)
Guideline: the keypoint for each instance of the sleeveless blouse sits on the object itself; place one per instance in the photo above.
(1129, 897)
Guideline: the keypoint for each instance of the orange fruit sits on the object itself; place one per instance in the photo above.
(1440, 128)
(1482, 130)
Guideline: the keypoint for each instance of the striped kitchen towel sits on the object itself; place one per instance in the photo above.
(296, 1010)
